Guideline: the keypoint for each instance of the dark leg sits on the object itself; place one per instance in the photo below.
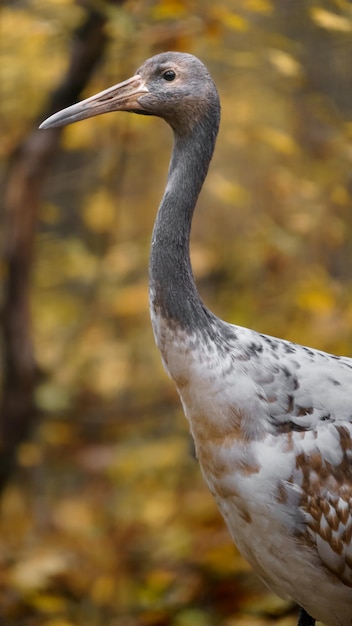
(304, 619)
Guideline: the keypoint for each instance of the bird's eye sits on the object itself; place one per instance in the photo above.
(169, 75)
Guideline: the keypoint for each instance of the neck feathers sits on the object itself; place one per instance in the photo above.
(173, 293)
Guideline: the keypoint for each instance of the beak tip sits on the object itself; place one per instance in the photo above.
(47, 123)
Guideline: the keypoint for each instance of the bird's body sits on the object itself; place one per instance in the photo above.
(271, 420)
(282, 483)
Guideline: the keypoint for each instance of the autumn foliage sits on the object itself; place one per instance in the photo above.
(106, 521)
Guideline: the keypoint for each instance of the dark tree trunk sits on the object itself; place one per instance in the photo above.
(21, 200)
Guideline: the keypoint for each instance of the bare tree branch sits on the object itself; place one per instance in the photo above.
(23, 186)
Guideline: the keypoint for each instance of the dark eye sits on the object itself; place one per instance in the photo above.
(169, 75)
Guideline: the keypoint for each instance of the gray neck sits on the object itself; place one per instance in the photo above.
(173, 292)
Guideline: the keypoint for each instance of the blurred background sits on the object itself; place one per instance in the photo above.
(104, 518)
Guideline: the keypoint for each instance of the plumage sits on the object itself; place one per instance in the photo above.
(271, 420)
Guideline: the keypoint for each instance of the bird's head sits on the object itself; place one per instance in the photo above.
(173, 85)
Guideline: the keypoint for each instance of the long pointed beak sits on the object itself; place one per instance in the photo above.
(121, 97)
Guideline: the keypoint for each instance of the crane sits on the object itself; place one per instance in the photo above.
(271, 420)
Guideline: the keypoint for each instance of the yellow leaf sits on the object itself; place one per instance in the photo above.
(168, 9)
(231, 20)
(35, 571)
(74, 516)
(109, 372)
(159, 509)
(285, 63)
(47, 602)
(315, 298)
(331, 21)
(78, 262)
(227, 190)
(259, 6)
(277, 139)
(99, 213)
